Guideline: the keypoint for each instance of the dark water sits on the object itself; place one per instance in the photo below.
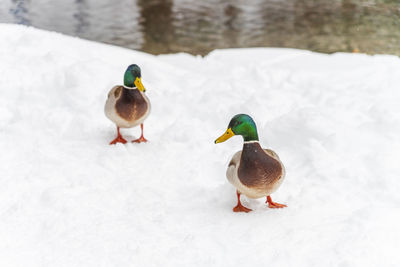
(157, 26)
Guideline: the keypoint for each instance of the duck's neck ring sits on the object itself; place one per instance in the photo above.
(251, 141)
(127, 87)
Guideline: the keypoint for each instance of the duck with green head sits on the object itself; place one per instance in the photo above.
(253, 171)
(127, 105)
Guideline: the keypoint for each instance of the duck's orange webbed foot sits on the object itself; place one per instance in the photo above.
(119, 139)
(141, 139)
(274, 205)
(239, 207)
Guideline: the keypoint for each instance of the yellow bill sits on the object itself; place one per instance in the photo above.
(139, 85)
(228, 134)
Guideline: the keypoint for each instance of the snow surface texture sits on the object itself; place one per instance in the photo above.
(67, 198)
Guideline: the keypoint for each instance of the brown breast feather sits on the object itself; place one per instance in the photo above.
(258, 169)
(117, 91)
(131, 105)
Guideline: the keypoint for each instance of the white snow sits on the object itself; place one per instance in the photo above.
(67, 198)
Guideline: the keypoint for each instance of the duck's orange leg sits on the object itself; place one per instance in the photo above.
(274, 205)
(239, 207)
(119, 139)
(141, 138)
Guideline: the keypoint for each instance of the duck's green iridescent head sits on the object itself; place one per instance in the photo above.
(133, 76)
(241, 124)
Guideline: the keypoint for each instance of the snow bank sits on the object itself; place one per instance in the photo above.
(67, 198)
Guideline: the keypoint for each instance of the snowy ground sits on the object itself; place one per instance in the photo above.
(67, 198)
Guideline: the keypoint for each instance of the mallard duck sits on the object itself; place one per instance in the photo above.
(127, 106)
(253, 171)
